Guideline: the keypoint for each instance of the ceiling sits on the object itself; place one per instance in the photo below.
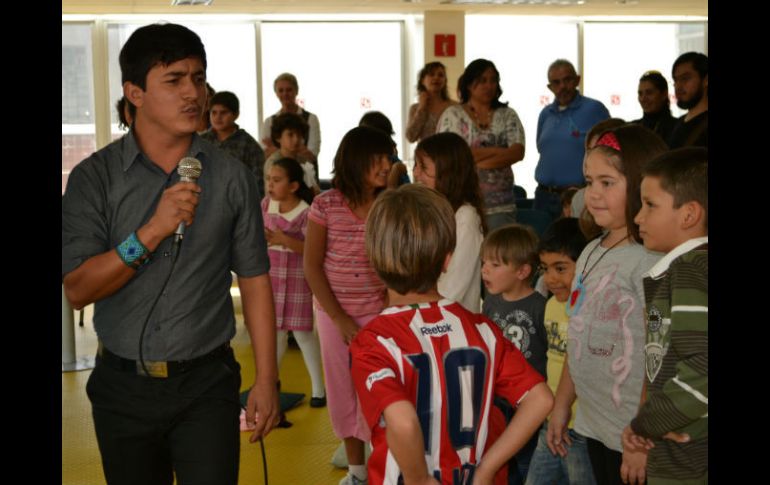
(589, 8)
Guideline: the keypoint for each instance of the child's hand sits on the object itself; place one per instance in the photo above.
(347, 327)
(305, 152)
(481, 477)
(422, 100)
(633, 467)
(275, 237)
(677, 437)
(557, 432)
(634, 442)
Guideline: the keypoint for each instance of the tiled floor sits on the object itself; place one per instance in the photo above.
(299, 455)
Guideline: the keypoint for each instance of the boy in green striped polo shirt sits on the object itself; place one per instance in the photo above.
(671, 426)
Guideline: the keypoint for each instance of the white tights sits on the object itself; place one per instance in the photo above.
(311, 353)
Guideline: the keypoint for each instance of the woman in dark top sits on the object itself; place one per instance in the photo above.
(655, 103)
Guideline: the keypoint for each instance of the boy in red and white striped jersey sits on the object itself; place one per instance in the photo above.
(426, 370)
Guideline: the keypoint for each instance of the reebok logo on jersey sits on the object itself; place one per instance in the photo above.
(436, 330)
(378, 376)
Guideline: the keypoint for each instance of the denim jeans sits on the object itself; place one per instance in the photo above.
(547, 469)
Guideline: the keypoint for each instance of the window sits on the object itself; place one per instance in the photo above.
(617, 54)
(78, 129)
(522, 49)
(231, 65)
(339, 80)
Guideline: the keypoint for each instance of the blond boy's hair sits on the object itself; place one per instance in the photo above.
(409, 232)
(514, 244)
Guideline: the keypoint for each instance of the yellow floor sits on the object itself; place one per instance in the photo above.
(299, 455)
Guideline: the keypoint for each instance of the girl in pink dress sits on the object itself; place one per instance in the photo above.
(285, 210)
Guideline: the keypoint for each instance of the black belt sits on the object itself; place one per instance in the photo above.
(160, 369)
(555, 189)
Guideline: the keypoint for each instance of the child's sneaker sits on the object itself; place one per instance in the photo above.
(351, 479)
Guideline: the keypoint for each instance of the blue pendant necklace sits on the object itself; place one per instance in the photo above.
(578, 294)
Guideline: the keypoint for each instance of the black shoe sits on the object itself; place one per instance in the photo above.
(284, 423)
(317, 402)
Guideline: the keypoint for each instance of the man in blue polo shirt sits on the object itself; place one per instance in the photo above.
(561, 132)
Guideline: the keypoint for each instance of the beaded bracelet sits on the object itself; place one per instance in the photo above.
(132, 252)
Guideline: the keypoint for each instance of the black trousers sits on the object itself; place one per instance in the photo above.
(149, 429)
(605, 462)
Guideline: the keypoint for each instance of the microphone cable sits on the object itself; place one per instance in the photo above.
(264, 457)
(175, 250)
(189, 170)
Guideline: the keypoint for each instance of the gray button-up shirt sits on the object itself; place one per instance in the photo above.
(113, 193)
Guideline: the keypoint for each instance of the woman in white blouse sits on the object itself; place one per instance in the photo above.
(286, 89)
(495, 135)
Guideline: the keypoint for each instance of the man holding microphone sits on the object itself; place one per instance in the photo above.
(165, 388)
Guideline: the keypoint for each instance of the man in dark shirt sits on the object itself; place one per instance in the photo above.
(164, 391)
(691, 81)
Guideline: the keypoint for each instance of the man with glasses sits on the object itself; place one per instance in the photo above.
(691, 82)
(561, 132)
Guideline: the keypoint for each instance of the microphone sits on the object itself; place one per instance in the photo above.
(189, 169)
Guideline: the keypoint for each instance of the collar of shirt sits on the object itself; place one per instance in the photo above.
(575, 104)
(662, 265)
(131, 150)
(211, 136)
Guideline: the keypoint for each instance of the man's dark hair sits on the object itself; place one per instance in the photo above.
(227, 99)
(157, 44)
(288, 121)
(700, 63)
(565, 237)
(121, 107)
